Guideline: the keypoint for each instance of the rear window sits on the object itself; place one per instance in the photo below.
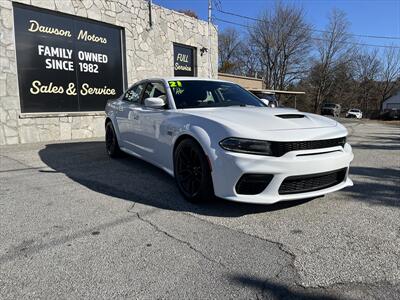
(330, 105)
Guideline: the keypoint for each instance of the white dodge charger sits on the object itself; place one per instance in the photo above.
(217, 139)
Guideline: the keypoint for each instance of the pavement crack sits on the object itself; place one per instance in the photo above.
(36, 245)
(188, 244)
(279, 245)
(17, 161)
(131, 207)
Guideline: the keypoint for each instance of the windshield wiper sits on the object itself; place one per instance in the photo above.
(235, 104)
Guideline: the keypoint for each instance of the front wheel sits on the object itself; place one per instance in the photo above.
(112, 146)
(192, 172)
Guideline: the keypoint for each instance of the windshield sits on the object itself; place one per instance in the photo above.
(203, 93)
(354, 110)
(330, 105)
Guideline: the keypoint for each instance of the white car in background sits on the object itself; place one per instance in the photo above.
(216, 138)
(354, 113)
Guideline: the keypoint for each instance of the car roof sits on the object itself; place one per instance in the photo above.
(184, 79)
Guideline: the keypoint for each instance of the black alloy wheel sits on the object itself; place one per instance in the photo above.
(112, 146)
(192, 172)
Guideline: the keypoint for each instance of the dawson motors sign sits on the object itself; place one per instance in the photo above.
(66, 63)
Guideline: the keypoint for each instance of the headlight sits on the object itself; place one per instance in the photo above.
(246, 146)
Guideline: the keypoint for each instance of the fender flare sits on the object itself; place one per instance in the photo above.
(202, 137)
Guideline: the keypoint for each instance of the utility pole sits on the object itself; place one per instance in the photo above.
(209, 39)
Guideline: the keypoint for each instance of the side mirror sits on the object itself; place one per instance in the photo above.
(265, 101)
(154, 102)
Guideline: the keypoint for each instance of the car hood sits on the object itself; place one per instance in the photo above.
(262, 118)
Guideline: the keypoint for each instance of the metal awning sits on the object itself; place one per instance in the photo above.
(277, 92)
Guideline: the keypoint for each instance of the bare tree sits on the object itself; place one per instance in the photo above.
(343, 89)
(249, 60)
(189, 13)
(282, 42)
(333, 49)
(390, 73)
(367, 68)
(229, 48)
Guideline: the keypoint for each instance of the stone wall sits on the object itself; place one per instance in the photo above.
(149, 53)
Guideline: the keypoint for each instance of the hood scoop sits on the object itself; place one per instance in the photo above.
(290, 116)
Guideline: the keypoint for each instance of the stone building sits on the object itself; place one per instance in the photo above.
(62, 59)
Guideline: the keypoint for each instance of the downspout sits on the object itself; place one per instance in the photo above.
(150, 16)
(209, 39)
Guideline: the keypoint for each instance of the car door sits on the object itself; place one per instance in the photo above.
(127, 115)
(149, 132)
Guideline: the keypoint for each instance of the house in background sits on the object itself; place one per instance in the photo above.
(392, 103)
(391, 107)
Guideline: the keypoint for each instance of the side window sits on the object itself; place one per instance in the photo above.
(155, 89)
(133, 94)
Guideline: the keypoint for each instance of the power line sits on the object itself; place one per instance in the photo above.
(314, 38)
(217, 4)
(316, 30)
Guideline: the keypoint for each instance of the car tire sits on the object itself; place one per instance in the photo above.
(192, 172)
(112, 146)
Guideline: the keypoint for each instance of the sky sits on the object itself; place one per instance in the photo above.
(366, 17)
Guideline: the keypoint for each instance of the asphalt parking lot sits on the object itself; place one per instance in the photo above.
(76, 224)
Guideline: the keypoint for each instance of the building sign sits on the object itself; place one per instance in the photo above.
(184, 63)
(66, 63)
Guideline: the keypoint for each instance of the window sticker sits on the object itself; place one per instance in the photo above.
(174, 84)
(179, 91)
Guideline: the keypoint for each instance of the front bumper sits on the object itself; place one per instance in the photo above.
(351, 115)
(228, 168)
(328, 112)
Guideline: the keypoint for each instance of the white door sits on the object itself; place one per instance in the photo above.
(149, 131)
(127, 115)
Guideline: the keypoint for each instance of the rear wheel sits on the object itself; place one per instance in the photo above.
(112, 146)
(192, 172)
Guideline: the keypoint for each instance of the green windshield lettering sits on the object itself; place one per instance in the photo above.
(174, 84)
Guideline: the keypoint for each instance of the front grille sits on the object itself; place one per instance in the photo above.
(252, 184)
(312, 182)
(281, 148)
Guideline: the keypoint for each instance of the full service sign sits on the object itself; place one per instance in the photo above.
(65, 63)
(184, 60)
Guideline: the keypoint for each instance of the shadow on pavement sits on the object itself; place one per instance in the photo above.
(383, 146)
(384, 190)
(132, 179)
(273, 290)
(386, 138)
(386, 142)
